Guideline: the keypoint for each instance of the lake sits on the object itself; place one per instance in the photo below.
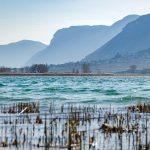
(106, 91)
(52, 125)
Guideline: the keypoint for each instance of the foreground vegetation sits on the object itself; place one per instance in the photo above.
(27, 125)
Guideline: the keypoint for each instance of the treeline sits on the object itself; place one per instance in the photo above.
(77, 67)
(36, 68)
(5, 69)
(44, 68)
(133, 69)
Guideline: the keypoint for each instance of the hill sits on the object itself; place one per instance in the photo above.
(16, 54)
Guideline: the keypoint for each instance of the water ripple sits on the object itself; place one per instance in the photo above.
(81, 90)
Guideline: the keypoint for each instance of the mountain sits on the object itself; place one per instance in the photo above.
(74, 43)
(135, 37)
(16, 54)
(123, 62)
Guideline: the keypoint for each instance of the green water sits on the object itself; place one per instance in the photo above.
(80, 90)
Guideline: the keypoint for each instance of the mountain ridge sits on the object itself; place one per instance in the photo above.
(74, 43)
(134, 37)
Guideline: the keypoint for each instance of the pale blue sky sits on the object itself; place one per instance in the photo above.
(39, 19)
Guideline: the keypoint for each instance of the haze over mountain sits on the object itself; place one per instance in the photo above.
(135, 37)
(16, 54)
(74, 43)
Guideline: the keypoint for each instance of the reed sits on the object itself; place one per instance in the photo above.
(26, 125)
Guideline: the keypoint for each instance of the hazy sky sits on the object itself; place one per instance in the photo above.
(39, 19)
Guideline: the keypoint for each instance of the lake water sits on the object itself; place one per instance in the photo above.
(117, 91)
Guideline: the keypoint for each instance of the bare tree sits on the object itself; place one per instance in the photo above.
(39, 68)
(132, 68)
(86, 68)
(5, 69)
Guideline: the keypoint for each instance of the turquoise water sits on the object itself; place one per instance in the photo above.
(81, 90)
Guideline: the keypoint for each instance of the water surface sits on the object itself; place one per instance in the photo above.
(81, 90)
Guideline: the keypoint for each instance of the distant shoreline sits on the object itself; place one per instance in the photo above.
(69, 74)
